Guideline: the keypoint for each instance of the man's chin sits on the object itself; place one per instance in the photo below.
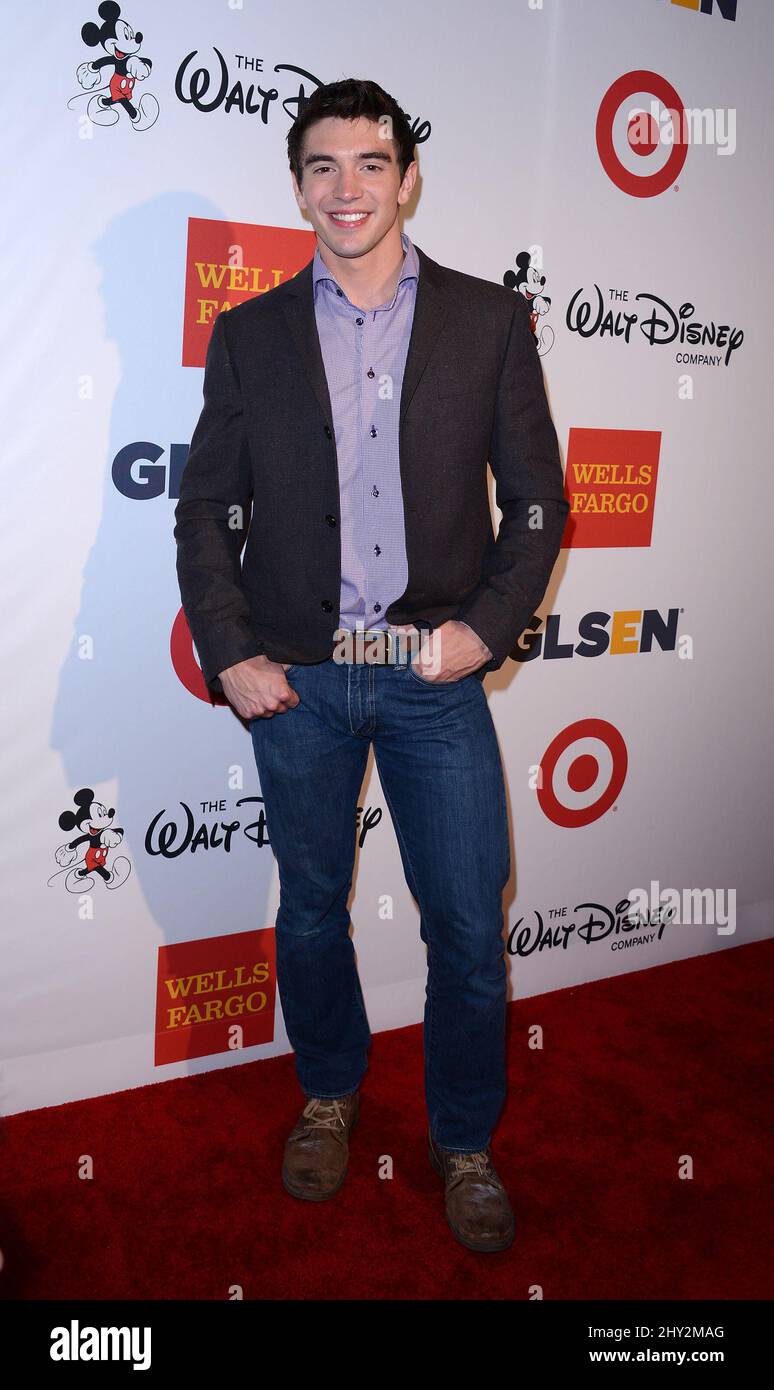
(349, 247)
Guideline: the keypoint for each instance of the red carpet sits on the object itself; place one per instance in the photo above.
(635, 1072)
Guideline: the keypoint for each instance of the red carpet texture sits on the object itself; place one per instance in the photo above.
(640, 1078)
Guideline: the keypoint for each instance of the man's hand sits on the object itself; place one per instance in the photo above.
(257, 688)
(452, 651)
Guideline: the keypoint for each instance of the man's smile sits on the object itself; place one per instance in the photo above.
(348, 219)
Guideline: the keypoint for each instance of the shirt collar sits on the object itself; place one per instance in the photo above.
(410, 269)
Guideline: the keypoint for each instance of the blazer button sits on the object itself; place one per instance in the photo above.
(330, 518)
(326, 605)
(328, 431)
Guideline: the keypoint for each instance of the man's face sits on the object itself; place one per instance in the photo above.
(351, 186)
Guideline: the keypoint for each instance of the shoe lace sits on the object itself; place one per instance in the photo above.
(324, 1114)
(472, 1163)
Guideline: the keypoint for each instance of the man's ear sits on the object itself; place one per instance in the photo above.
(407, 183)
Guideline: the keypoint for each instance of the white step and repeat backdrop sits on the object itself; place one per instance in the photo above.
(612, 162)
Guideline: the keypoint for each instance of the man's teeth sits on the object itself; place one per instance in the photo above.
(348, 216)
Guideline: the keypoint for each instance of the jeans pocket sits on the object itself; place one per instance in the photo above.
(434, 685)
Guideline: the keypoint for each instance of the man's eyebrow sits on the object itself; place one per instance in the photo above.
(331, 159)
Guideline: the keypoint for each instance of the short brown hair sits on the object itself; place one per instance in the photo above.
(348, 100)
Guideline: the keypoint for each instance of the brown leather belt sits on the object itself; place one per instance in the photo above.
(381, 646)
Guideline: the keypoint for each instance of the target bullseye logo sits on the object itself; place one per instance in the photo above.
(582, 773)
(642, 135)
(187, 669)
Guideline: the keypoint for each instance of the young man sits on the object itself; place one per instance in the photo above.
(354, 409)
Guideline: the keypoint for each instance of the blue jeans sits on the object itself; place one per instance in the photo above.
(441, 773)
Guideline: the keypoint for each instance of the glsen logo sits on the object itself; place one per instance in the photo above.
(215, 995)
(726, 8)
(610, 483)
(581, 773)
(138, 474)
(76, 1343)
(228, 262)
(626, 632)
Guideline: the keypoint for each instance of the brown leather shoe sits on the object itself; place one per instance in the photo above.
(317, 1149)
(477, 1206)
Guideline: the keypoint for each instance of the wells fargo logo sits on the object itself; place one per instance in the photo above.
(227, 262)
(215, 995)
(611, 487)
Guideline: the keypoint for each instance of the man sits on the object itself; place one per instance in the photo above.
(354, 408)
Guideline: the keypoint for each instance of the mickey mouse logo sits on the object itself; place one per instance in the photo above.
(87, 854)
(529, 282)
(121, 65)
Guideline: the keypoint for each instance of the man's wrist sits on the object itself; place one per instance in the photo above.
(260, 657)
(486, 653)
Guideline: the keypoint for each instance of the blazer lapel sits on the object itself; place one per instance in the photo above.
(429, 311)
(299, 312)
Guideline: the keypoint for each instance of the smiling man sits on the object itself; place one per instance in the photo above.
(349, 417)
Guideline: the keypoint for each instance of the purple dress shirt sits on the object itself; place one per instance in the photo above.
(364, 354)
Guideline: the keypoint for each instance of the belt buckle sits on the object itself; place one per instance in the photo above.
(382, 632)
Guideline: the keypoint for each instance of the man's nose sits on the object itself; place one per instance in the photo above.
(347, 186)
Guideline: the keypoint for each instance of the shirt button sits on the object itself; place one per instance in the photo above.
(339, 292)
(377, 608)
(377, 550)
(372, 432)
(371, 372)
(358, 322)
(330, 518)
(374, 491)
(326, 605)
